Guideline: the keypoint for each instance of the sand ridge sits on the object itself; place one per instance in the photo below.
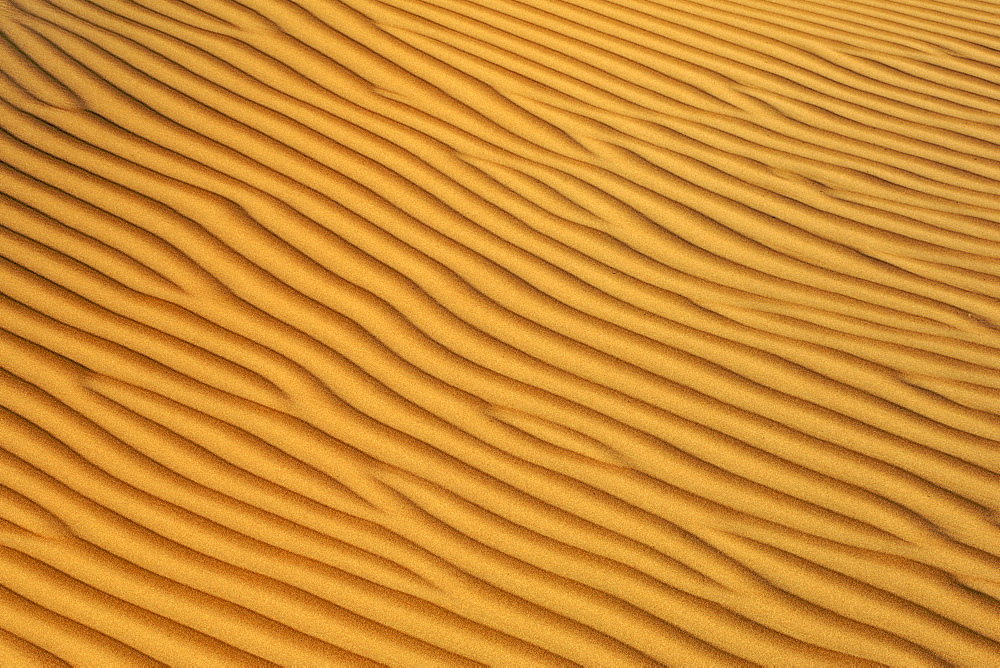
(529, 332)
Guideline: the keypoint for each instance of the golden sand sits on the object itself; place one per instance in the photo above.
(509, 332)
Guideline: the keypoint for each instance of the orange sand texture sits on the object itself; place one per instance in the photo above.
(508, 332)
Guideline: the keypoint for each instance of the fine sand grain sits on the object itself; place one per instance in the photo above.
(507, 332)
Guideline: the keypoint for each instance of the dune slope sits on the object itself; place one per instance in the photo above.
(521, 332)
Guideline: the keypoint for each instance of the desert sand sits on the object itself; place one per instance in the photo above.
(511, 332)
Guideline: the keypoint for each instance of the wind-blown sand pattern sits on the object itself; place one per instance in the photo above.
(520, 332)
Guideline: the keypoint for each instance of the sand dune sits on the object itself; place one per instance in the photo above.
(518, 333)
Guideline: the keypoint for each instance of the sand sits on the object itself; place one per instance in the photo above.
(518, 333)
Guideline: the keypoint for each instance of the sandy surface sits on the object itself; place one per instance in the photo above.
(510, 332)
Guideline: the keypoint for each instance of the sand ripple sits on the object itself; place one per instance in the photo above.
(521, 332)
